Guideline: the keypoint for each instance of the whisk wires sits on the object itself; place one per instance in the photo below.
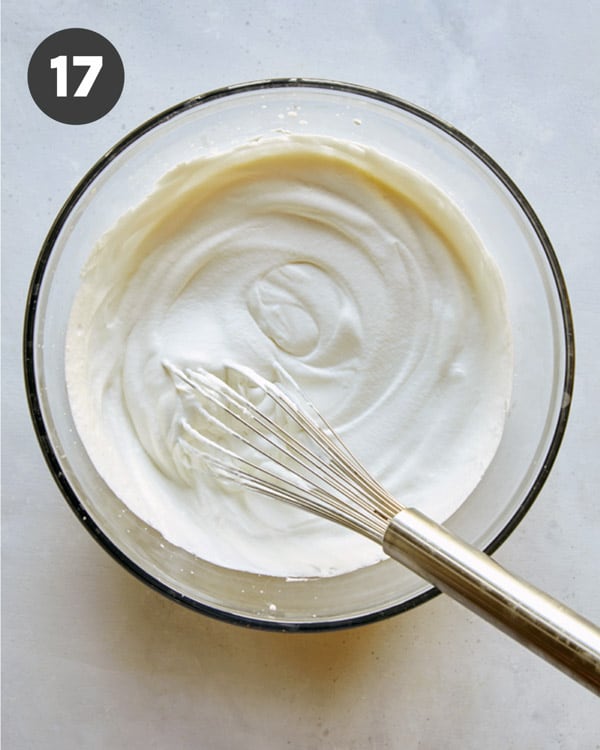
(253, 434)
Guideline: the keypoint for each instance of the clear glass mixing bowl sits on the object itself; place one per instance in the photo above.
(537, 303)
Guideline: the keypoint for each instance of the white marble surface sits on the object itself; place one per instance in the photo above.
(93, 659)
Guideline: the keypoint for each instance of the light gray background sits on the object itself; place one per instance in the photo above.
(93, 659)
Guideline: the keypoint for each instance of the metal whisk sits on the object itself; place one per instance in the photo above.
(251, 432)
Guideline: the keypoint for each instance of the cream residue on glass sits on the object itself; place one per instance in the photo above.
(348, 270)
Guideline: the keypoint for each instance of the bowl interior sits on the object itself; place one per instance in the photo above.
(537, 306)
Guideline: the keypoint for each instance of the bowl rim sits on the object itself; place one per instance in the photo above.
(43, 259)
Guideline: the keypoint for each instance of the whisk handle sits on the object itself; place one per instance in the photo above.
(536, 620)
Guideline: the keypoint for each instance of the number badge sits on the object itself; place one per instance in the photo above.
(75, 76)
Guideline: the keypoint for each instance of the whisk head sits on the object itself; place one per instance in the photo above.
(250, 431)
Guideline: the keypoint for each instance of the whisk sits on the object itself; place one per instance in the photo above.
(251, 431)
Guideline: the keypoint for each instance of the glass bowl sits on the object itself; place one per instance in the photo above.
(538, 307)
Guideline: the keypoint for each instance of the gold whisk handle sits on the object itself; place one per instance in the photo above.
(536, 620)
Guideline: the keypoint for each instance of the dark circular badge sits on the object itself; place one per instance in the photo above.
(76, 76)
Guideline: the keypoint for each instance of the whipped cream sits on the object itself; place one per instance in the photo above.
(348, 270)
